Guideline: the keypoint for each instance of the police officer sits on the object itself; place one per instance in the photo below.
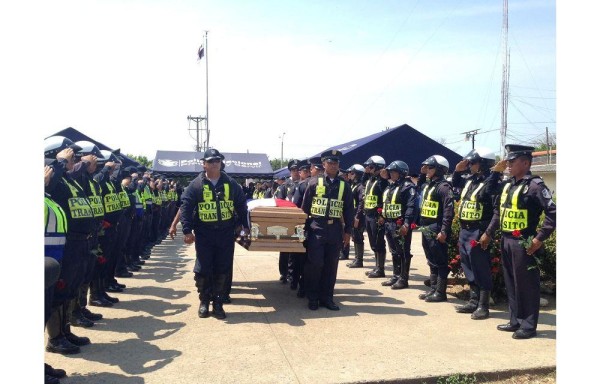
(373, 221)
(133, 247)
(328, 203)
(69, 195)
(399, 200)
(316, 166)
(214, 207)
(437, 212)
(475, 212)
(108, 235)
(87, 158)
(523, 198)
(355, 175)
(298, 259)
(55, 229)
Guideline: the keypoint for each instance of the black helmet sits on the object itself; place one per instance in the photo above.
(87, 148)
(439, 162)
(357, 168)
(376, 161)
(399, 166)
(54, 144)
(483, 156)
(108, 156)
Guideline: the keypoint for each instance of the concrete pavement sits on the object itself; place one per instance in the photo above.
(269, 336)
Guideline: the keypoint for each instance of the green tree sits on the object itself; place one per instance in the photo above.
(141, 159)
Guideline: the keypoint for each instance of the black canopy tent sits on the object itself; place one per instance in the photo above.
(74, 135)
(401, 143)
(185, 164)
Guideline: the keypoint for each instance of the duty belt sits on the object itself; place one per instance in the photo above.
(474, 224)
(78, 236)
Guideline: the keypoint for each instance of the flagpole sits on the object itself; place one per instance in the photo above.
(206, 55)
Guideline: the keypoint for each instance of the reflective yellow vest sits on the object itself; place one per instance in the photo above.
(470, 209)
(327, 207)
(208, 209)
(511, 216)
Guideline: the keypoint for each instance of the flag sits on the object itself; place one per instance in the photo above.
(201, 52)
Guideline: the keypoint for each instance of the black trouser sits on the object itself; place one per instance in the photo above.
(323, 249)
(376, 234)
(214, 258)
(134, 245)
(435, 252)
(124, 229)
(298, 260)
(73, 266)
(108, 244)
(51, 274)
(284, 258)
(522, 284)
(155, 224)
(475, 261)
(146, 232)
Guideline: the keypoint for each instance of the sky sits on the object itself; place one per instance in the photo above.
(315, 73)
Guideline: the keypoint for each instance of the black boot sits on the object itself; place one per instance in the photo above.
(90, 315)
(483, 309)
(433, 279)
(220, 281)
(359, 251)
(75, 317)
(96, 297)
(471, 305)
(203, 294)
(440, 292)
(66, 327)
(392, 280)
(404, 271)
(57, 342)
(378, 271)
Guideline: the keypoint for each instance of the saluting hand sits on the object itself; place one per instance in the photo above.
(500, 166)
(48, 172)
(462, 166)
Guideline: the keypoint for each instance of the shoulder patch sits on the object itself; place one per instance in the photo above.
(546, 193)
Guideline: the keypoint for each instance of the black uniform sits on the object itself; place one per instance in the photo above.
(532, 196)
(475, 214)
(399, 200)
(326, 225)
(297, 259)
(213, 212)
(358, 237)
(437, 212)
(376, 233)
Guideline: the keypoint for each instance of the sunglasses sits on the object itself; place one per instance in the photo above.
(212, 161)
(431, 167)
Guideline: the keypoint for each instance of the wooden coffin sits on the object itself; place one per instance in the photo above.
(276, 229)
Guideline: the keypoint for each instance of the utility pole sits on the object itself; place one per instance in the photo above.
(282, 135)
(471, 135)
(547, 146)
(505, 77)
(204, 146)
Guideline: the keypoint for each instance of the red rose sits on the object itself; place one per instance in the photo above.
(379, 210)
(413, 226)
(495, 269)
(60, 284)
(101, 260)
(457, 257)
(399, 221)
(516, 233)
(495, 260)
(105, 224)
(473, 243)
